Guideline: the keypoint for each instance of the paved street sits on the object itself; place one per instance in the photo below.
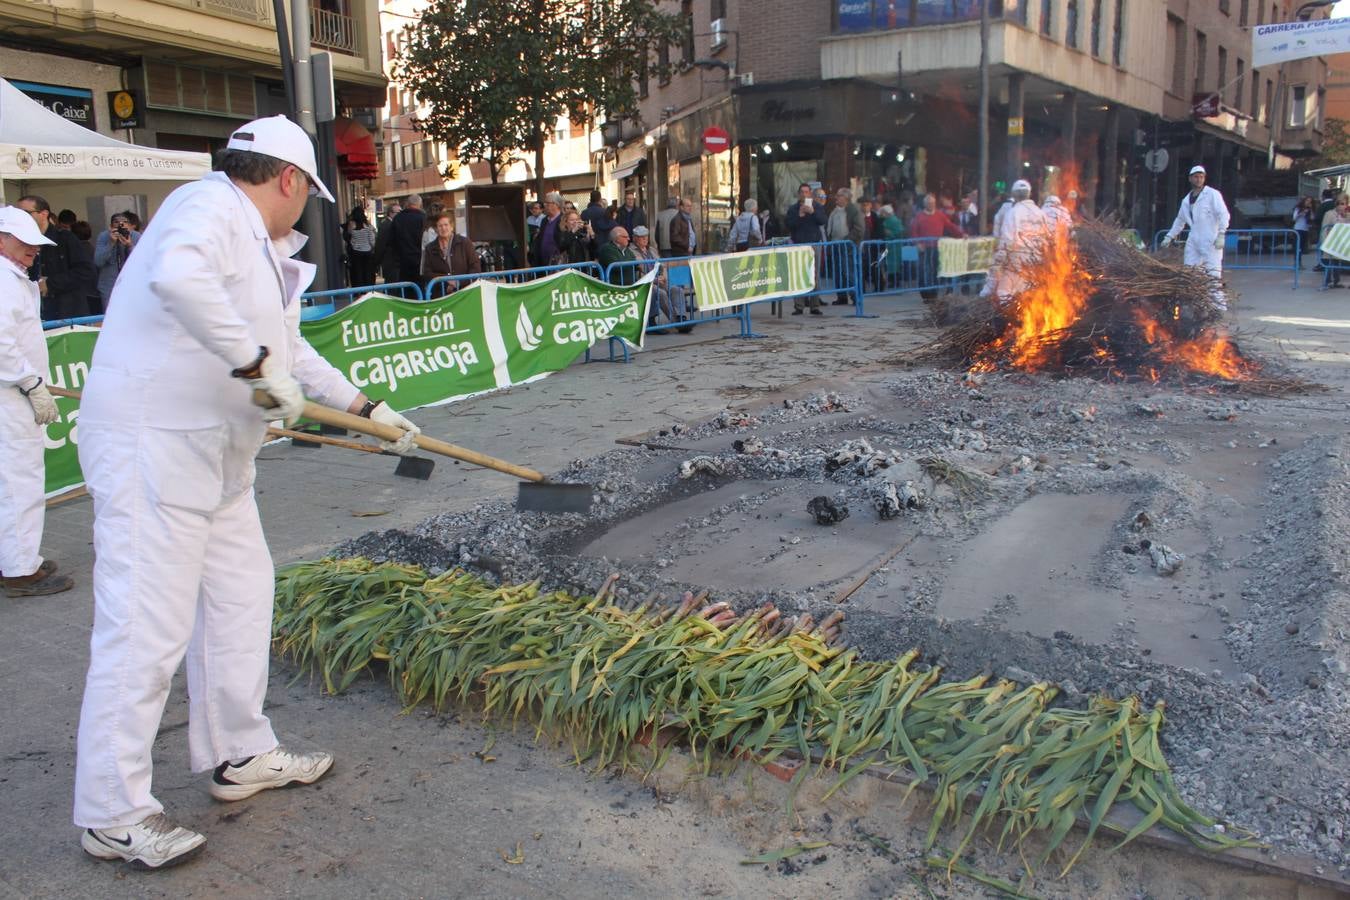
(409, 810)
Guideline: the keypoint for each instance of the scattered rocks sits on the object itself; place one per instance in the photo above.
(701, 465)
(827, 510)
(1163, 558)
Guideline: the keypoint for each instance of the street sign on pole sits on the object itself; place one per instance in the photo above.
(716, 140)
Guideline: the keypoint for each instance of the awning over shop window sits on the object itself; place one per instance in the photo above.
(355, 149)
(629, 170)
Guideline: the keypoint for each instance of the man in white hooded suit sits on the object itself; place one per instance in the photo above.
(205, 313)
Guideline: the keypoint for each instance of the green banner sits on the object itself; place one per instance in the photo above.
(69, 351)
(731, 279)
(480, 338)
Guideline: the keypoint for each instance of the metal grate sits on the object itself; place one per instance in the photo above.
(248, 10)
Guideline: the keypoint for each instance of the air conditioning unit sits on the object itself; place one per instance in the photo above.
(718, 34)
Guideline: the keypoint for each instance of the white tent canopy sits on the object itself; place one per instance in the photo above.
(37, 144)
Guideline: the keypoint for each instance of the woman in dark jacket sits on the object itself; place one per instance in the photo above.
(448, 254)
(574, 239)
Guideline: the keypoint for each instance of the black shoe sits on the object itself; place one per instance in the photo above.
(842, 303)
(796, 312)
(815, 311)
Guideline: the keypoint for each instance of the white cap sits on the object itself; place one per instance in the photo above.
(1022, 184)
(22, 225)
(280, 138)
(1194, 169)
(1051, 200)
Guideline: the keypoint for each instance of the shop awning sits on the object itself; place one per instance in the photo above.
(1330, 171)
(629, 170)
(355, 149)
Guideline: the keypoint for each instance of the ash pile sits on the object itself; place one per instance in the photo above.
(1227, 517)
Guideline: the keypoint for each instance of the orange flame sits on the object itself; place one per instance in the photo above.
(1057, 294)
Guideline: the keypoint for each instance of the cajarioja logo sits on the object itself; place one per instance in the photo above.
(527, 333)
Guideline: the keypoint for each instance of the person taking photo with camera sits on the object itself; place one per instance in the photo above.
(110, 254)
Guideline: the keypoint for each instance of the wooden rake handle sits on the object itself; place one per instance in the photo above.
(351, 422)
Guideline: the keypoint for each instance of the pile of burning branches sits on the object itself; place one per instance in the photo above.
(1095, 305)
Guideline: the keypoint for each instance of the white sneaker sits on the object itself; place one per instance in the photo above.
(152, 843)
(273, 769)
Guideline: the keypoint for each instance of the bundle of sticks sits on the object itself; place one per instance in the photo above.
(1132, 312)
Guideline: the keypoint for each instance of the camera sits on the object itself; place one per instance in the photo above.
(123, 231)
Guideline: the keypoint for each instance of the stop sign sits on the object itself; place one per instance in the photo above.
(715, 139)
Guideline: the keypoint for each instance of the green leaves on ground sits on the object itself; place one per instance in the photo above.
(606, 678)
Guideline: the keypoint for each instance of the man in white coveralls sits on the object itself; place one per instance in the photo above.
(205, 313)
(1204, 211)
(26, 409)
(1020, 234)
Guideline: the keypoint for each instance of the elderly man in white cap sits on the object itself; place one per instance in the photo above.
(1205, 213)
(26, 409)
(1021, 232)
(204, 314)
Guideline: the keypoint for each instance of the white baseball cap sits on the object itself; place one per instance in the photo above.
(1194, 169)
(1052, 200)
(280, 138)
(21, 224)
(1022, 184)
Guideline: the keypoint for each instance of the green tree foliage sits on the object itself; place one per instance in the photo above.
(497, 74)
(1335, 145)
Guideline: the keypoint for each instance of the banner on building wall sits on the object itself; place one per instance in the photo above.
(1281, 42)
(730, 279)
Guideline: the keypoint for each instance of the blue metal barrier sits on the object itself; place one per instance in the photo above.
(1332, 269)
(906, 265)
(66, 323)
(406, 290)
(673, 296)
(839, 271)
(1255, 248)
(445, 284)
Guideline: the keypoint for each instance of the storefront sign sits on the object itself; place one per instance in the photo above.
(1204, 106)
(1015, 126)
(855, 15)
(125, 109)
(70, 103)
(1283, 41)
(730, 279)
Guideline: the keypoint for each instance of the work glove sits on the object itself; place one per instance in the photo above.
(42, 401)
(385, 415)
(1218, 241)
(265, 374)
(1166, 242)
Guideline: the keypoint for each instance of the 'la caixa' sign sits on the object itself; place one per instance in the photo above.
(70, 103)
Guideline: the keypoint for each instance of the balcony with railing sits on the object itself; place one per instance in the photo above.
(334, 31)
(852, 16)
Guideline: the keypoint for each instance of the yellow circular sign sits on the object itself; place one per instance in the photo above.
(124, 104)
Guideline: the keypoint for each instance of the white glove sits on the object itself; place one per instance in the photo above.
(42, 401)
(266, 375)
(385, 415)
(1166, 241)
(1218, 241)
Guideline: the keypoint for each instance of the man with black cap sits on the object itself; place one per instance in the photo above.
(1204, 212)
(205, 314)
(26, 409)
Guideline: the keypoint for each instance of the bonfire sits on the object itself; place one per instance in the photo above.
(1096, 305)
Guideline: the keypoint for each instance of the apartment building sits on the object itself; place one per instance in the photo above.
(197, 68)
(413, 163)
(882, 96)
